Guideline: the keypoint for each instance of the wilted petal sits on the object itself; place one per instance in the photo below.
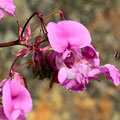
(1, 14)
(38, 59)
(51, 56)
(112, 73)
(8, 6)
(28, 31)
(20, 79)
(23, 51)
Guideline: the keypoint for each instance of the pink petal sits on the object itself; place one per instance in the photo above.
(73, 79)
(94, 71)
(7, 99)
(112, 73)
(76, 34)
(15, 97)
(2, 115)
(91, 56)
(66, 34)
(20, 97)
(17, 115)
(56, 37)
(1, 14)
(8, 6)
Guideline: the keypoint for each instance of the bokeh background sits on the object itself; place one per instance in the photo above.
(101, 101)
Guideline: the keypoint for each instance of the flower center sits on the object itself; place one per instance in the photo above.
(69, 60)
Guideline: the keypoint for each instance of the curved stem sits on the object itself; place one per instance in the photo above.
(22, 65)
(11, 69)
(39, 15)
(58, 11)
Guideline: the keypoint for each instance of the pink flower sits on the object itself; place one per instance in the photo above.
(7, 6)
(16, 100)
(112, 73)
(76, 60)
(67, 34)
(75, 78)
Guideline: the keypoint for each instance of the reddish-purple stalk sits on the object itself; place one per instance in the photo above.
(19, 42)
(11, 69)
(16, 42)
(22, 64)
(36, 13)
(57, 11)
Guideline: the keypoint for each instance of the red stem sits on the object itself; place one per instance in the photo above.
(39, 15)
(16, 42)
(11, 69)
(22, 65)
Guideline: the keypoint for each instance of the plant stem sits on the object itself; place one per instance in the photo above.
(39, 15)
(11, 69)
(22, 65)
(16, 42)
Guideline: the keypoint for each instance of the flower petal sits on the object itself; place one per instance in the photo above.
(91, 56)
(17, 115)
(56, 37)
(20, 97)
(1, 14)
(8, 6)
(75, 33)
(112, 73)
(73, 79)
(15, 97)
(7, 100)
(2, 115)
(66, 34)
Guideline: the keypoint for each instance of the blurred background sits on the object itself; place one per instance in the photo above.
(101, 101)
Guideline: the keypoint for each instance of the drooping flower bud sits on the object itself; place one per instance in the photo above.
(38, 59)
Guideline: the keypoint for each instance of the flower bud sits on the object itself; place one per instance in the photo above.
(38, 59)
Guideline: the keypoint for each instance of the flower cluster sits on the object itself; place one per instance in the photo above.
(61, 52)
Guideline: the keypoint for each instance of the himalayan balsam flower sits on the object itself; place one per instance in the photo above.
(16, 100)
(7, 6)
(77, 61)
